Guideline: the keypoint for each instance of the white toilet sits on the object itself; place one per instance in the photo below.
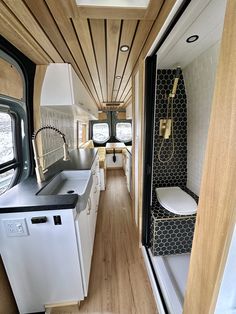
(176, 201)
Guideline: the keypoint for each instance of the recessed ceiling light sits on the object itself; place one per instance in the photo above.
(192, 39)
(118, 77)
(124, 48)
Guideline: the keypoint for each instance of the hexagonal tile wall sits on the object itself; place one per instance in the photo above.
(170, 233)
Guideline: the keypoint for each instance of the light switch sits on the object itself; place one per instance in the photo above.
(16, 227)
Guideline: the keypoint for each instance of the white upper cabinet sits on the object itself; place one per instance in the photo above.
(62, 87)
(57, 86)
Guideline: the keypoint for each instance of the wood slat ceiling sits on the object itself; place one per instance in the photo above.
(87, 37)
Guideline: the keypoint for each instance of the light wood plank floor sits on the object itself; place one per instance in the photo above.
(118, 282)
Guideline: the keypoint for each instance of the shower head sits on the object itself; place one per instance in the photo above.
(176, 80)
(178, 72)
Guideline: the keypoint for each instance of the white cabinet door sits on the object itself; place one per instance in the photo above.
(85, 243)
(95, 193)
(93, 210)
(86, 224)
(43, 266)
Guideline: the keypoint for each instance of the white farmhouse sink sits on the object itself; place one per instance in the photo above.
(71, 182)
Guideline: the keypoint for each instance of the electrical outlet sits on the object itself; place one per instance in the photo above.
(16, 227)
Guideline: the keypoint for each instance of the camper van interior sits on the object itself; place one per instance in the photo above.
(117, 156)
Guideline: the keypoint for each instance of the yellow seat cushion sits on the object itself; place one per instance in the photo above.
(88, 144)
(102, 157)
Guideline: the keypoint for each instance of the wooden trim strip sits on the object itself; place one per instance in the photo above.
(96, 12)
(153, 9)
(137, 45)
(127, 37)
(43, 16)
(98, 35)
(96, 88)
(25, 18)
(12, 29)
(216, 216)
(113, 38)
(95, 57)
(117, 55)
(128, 94)
(126, 63)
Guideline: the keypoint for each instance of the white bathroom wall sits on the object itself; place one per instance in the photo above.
(199, 77)
(65, 123)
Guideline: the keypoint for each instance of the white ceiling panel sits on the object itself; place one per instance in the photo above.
(207, 24)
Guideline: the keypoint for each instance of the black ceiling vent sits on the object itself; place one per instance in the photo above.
(114, 103)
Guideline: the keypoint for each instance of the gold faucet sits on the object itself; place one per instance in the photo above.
(38, 168)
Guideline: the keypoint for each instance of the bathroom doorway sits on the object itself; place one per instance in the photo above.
(177, 123)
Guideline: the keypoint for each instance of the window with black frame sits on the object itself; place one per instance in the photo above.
(124, 132)
(7, 150)
(14, 133)
(101, 132)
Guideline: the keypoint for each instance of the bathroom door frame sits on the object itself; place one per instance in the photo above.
(149, 121)
(216, 215)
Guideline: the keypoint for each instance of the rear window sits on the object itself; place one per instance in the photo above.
(124, 131)
(101, 132)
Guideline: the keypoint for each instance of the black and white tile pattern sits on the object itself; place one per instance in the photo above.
(172, 236)
(173, 173)
(170, 233)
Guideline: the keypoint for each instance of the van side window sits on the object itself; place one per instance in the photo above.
(14, 127)
(7, 152)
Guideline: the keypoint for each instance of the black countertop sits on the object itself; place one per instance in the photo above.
(22, 197)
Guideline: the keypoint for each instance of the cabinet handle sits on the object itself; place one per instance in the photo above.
(95, 190)
(93, 172)
(89, 207)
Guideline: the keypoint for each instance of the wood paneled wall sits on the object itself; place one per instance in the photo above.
(121, 115)
(216, 215)
(11, 83)
(102, 116)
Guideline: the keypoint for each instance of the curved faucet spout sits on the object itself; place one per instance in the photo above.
(38, 168)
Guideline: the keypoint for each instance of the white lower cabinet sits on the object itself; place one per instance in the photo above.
(86, 226)
(47, 254)
(41, 259)
(84, 238)
(94, 195)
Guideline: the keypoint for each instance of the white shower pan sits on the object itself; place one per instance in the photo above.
(172, 272)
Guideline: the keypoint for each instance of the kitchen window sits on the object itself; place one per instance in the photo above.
(101, 132)
(124, 132)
